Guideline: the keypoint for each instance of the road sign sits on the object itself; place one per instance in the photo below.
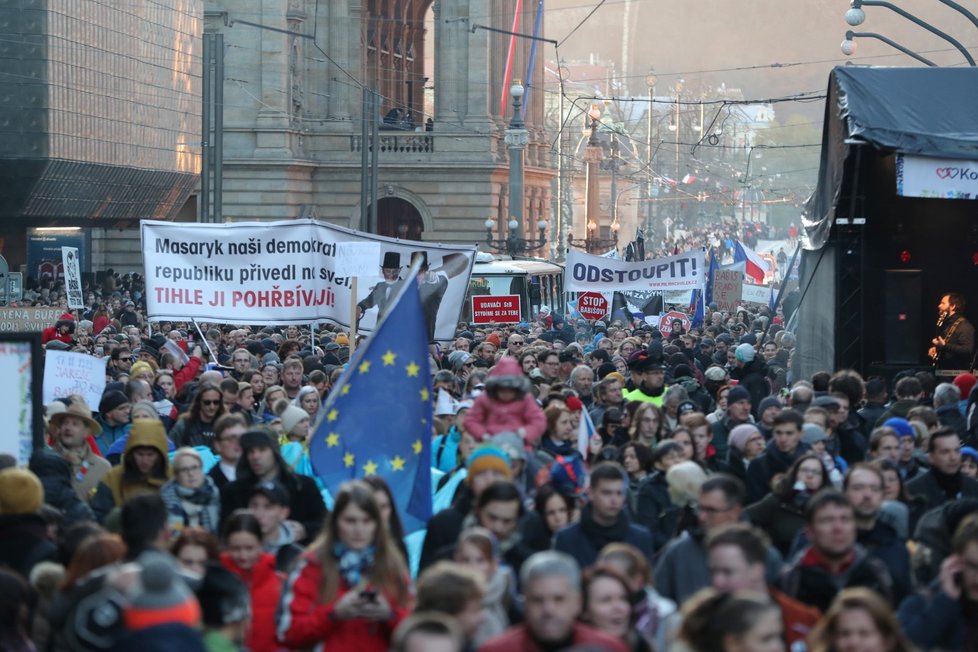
(592, 305)
(665, 324)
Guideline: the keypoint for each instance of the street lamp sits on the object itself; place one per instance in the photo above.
(592, 156)
(516, 138)
(650, 80)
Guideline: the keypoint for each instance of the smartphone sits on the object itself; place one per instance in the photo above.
(369, 595)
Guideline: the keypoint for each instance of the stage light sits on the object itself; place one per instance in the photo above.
(905, 256)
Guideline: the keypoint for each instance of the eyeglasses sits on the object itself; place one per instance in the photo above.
(516, 342)
(244, 360)
(809, 471)
(214, 402)
(187, 470)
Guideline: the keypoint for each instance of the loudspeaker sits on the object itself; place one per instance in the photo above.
(902, 335)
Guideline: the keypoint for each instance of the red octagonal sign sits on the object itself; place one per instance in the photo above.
(592, 305)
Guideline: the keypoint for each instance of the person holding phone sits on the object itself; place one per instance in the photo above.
(351, 589)
(939, 617)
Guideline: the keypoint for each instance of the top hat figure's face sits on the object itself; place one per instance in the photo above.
(391, 274)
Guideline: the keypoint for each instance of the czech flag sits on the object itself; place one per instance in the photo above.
(754, 265)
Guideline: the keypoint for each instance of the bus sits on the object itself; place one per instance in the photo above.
(537, 282)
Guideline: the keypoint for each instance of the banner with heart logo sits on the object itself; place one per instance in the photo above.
(918, 176)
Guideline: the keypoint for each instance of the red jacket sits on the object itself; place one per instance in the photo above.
(307, 622)
(799, 619)
(265, 587)
(518, 638)
(187, 373)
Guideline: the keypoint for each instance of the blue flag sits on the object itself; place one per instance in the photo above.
(699, 311)
(378, 418)
(711, 273)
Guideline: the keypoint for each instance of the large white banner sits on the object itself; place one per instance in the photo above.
(938, 178)
(586, 273)
(286, 273)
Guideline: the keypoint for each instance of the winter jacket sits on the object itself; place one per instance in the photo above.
(193, 433)
(187, 373)
(810, 580)
(928, 494)
(305, 621)
(109, 434)
(655, 509)
(933, 620)
(264, 587)
(720, 432)
(780, 519)
(199, 507)
(586, 538)
(583, 637)
(798, 619)
(118, 447)
(124, 481)
(753, 377)
(489, 416)
(306, 504)
(24, 542)
(55, 475)
(445, 526)
(765, 466)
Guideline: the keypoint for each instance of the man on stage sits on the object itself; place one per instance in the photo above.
(955, 340)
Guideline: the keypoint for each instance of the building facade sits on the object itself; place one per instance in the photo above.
(293, 104)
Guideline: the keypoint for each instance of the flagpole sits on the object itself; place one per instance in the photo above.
(777, 300)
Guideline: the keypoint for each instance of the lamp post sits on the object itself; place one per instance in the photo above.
(650, 80)
(592, 157)
(516, 138)
(675, 127)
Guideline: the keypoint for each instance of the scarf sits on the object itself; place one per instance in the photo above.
(353, 564)
(949, 484)
(600, 535)
(199, 506)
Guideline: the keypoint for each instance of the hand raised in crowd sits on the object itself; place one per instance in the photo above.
(952, 569)
(375, 608)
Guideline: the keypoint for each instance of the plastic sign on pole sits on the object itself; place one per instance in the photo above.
(592, 305)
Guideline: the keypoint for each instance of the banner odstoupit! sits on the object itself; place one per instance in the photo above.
(587, 273)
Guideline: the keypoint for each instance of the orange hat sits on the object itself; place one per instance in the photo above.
(493, 339)
(342, 339)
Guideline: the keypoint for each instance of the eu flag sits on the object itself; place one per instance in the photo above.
(377, 420)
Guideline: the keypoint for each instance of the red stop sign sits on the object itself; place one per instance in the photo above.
(665, 324)
(592, 305)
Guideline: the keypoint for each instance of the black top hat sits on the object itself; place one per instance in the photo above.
(392, 260)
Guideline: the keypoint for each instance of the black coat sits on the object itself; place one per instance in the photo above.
(585, 539)
(54, 472)
(445, 526)
(927, 494)
(305, 502)
(24, 542)
(753, 377)
(765, 466)
(655, 509)
(813, 584)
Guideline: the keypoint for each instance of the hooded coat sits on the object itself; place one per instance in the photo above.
(125, 480)
(490, 416)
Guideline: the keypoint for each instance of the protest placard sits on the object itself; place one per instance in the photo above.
(69, 259)
(27, 320)
(287, 273)
(727, 287)
(67, 373)
(19, 402)
(587, 273)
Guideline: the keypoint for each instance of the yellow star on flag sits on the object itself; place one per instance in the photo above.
(417, 447)
(333, 439)
(348, 460)
(345, 390)
(364, 366)
(397, 463)
(369, 468)
(389, 358)
(333, 414)
(412, 369)
(424, 394)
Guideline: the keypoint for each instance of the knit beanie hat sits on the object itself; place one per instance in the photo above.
(568, 475)
(901, 426)
(343, 339)
(812, 433)
(510, 443)
(606, 369)
(489, 458)
(140, 367)
(458, 358)
(160, 596)
(111, 400)
(684, 480)
(768, 403)
(574, 404)
(716, 374)
(740, 434)
(493, 339)
(291, 417)
(965, 382)
(737, 393)
(20, 492)
(744, 353)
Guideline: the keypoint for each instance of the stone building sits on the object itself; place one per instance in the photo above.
(294, 70)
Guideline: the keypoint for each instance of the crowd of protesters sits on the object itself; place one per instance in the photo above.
(720, 504)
